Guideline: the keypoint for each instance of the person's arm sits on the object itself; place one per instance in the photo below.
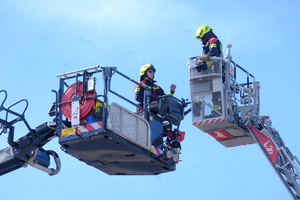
(214, 47)
(139, 94)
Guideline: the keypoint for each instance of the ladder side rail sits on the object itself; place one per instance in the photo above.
(291, 161)
(289, 165)
(272, 164)
(283, 168)
(288, 168)
(289, 181)
(296, 165)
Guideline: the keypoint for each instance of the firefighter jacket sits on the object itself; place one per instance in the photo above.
(156, 91)
(211, 45)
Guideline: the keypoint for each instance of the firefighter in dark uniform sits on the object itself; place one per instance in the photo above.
(147, 80)
(211, 47)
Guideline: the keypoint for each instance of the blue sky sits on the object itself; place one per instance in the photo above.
(40, 39)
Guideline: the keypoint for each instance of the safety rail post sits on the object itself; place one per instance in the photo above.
(228, 79)
(59, 97)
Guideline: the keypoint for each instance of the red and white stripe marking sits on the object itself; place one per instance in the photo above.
(89, 127)
(156, 150)
(209, 121)
(220, 135)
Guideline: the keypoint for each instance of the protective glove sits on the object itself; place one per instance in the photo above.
(205, 57)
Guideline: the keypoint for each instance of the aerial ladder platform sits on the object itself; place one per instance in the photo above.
(114, 139)
(104, 135)
(226, 104)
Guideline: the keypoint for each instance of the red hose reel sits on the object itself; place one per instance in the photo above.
(86, 105)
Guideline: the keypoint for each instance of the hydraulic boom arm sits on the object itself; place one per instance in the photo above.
(283, 161)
